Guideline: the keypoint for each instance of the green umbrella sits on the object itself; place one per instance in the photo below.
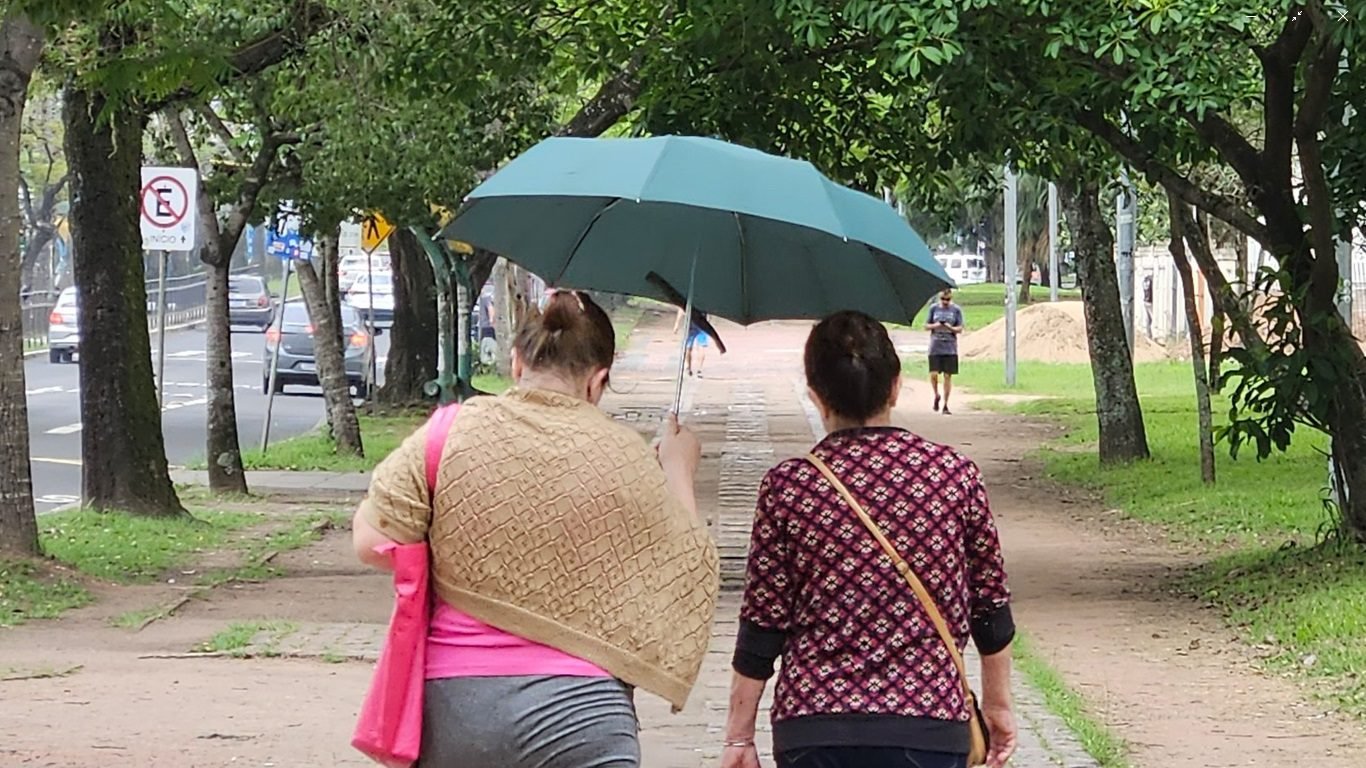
(771, 237)
(748, 236)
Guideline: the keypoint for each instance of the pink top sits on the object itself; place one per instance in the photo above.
(459, 645)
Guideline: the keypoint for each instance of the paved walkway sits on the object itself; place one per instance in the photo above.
(751, 410)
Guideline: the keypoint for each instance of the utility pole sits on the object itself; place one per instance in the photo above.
(1012, 266)
(1126, 217)
(1053, 276)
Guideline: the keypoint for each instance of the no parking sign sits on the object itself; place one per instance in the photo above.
(169, 208)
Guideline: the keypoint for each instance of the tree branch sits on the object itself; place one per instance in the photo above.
(615, 99)
(26, 196)
(1225, 297)
(216, 124)
(1214, 128)
(1159, 173)
(249, 190)
(1279, 62)
(264, 52)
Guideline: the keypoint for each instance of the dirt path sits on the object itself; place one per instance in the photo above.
(1089, 588)
(1093, 590)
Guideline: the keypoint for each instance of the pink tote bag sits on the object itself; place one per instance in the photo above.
(389, 729)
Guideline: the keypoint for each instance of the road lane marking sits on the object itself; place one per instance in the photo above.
(44, 391)
(71, 429)
(65, 462)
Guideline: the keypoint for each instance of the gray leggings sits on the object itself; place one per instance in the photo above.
(529, 722)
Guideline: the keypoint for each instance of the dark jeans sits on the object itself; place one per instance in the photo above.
(868, 757)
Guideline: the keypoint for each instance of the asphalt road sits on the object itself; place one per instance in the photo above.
(55, 408)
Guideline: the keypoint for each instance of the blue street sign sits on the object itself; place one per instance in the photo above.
(283, 241)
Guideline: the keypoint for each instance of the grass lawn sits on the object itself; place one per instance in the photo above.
(123, 548)
(29, 591)
(380, 434)
(1262, 522)
(107, 546)
(312, 452)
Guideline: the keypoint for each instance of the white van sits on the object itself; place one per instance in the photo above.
(964, 268)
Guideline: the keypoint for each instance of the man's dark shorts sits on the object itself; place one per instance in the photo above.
(944, 364)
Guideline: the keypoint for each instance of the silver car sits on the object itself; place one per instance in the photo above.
(297, 365)
(249, 302)
(64, 329)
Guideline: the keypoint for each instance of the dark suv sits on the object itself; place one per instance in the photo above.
(297, 365)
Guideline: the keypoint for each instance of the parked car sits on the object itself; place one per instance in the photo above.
(249, 302)
(64, 329)
(353, 268)
(375, 291)
(297, 365)
(964, 268)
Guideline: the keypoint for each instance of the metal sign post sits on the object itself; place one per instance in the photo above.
(370, 372)
(284, 243)
(1126, 219)
(161, 329)
(1012, 269)
(275, 358)
(1053, 277)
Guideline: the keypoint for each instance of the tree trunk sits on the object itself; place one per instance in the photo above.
(38, 241)
(329, 259)
(122, 447)
(21, 45)
(1197, 342)
(1122, 434)
(330, 356)
(226, 474)
(996, 247)
(413, 353)
(510, 306)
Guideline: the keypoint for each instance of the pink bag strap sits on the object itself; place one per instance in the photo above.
(437, 429)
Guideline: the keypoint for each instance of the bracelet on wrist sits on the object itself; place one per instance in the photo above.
(737, 743)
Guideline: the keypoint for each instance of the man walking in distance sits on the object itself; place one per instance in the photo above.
(945, 322)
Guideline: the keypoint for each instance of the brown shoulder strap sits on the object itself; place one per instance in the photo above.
(904, 568)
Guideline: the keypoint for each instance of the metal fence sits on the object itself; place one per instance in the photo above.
(186, 298)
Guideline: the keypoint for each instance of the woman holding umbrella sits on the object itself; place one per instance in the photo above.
(568, 560)
(872, 561)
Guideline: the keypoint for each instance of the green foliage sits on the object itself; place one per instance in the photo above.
(1275, 389)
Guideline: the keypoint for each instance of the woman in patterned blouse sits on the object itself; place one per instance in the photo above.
(865, 679)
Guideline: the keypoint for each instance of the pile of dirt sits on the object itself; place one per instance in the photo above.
(1046, 333)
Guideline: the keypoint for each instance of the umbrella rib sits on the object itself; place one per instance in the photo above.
(744, 272)
(573, 251)
(877, 259)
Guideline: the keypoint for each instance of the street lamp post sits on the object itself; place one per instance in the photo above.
(1012, 266)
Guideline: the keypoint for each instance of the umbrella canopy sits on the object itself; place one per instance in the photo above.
(770, 237)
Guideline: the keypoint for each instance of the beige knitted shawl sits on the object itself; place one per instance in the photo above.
(553, 523)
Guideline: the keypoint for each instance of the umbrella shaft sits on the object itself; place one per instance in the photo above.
(687, 334)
